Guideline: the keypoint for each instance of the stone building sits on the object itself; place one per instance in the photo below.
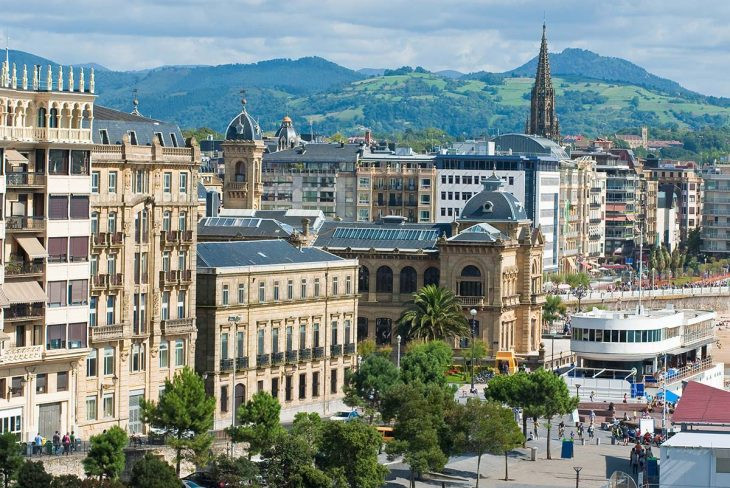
(243, 151)
(45, 184)
(278, 318)
(142, 306)
(716, 211)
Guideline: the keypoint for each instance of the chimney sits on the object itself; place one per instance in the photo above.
(305, 227)
(368, 137)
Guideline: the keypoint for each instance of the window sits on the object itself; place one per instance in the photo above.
(408, 280)
(260, 337)
(95, 182)
(56, 336)
(182, 221)
(302, 336)
(138, 359)
(79, 249)
(315, 384)
(302, 386)
(57, 249)
(181, 304)
(108, 405)
(179, 352)
(78, 292)
(166, 261)
(165, 313)
(141, 182)
(348, 285)
(241, 294)
(112, 182)
(167, 182)
(111, 264)
(16, 388)
(288, 388)
(91, 408)
(333, 381)
(57, 160)
(315, 335)
(110, 302)
(303, 291)
(183, 182)
(58, 207)
(224, 300)
(57, 293)
(240, 344)
(363, 279)
(224, 398)
(80, 207)
(104, 134)
(224, 345)
(160, 139)
(108, 361)
(289, 338)
(348, 331)
(262, 292)
(384, 280)
(334, 333)
(166, 221)
(290, 290)
(173, 138)
(91, 364)
(112, 222)
(335, 286)
(276, 291)
(94, 223)
(164, 354)
(316, 287)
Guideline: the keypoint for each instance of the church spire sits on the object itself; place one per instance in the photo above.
(543, 120)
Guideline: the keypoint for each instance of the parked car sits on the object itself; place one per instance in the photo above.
(345, 416)
(191, 484)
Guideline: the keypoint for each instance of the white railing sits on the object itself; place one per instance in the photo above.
(567, 296)
(21, 354)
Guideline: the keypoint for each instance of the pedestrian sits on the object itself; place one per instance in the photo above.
(72, 438)
(535, 427)
(625, 398)
(580, 430)
(591, 431)
(38, 444)
(66, 444)
(593, 393)
(572, 436)
(561, 429)
(56, 443)
(593, 416)
(626, 435)
(634, 461)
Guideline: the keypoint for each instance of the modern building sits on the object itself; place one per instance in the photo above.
(530, 170)
(667, 219)
(491, 257)
(144, 203)
(716, 211)
(543, 120)
(278, 318)
(45, 187)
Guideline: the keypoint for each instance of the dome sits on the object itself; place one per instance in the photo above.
(493, 204)
(286, 135)
(286, 119)
(243, 127)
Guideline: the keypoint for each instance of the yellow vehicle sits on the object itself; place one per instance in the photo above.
(506, 361)
(386, 432)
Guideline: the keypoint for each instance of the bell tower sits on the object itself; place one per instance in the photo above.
(543, 121)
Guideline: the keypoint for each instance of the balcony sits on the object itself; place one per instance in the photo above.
(116, 239)
(594, 237)
(21, 354)
(292, 356)
(263, 360)
(186, 236)
(23, 268)
(350, 348)
(168, 278)
(178, 326)
(25, 180)
(115, 280)
(185, 276)
(595, 221)
(318, 352)
(22, 312)
(99, 239)
(169, 237)
(20, 223)
(336, 350)
(305, 354)
(98, 281)
(471, 301)
(241, 363)
(277, 358)
(106, 333)
(226, 365)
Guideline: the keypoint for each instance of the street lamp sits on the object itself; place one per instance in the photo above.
(473, 314)
(577, 391)
(398, 338)
(577, 475)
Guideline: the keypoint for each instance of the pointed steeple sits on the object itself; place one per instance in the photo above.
(543, 120)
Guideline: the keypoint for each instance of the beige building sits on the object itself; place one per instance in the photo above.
(45, 141)
(142, 306)
(278, 318)
(243, 152)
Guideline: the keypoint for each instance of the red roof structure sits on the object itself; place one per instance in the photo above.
(702, 404)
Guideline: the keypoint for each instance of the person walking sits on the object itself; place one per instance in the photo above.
(56, 443)
(561, 429)
(72, 438)
(38, 444)
(535, 427)
(593, 393)
(580, 430)
(591, 431)
(625, 398)
(634, 461)
(66, 441)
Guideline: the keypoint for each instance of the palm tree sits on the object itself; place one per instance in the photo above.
(436, 313)
(552, 309)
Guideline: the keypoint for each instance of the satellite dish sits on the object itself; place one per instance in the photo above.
(619, 479)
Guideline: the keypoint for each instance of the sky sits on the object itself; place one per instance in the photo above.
(679, 40)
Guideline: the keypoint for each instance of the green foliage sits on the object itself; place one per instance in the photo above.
(184, 413)
(32, 474)
(426, 363)
(436, 313)
(106, 455)
(338, 137)
(153, 472)
(573, 279)
(66, 481)
(202, 133)
(551, 397)
(258, 423)
(235, 472)
(366, 347)
(370, 382)
(423, 140)
(480, 351)
(516, 391)
(96, 483)
(553, 309)
(11, 456)
(308, 426)
(289, 463)
(351, 448)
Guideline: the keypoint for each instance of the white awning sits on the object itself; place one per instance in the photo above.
(24, 292)
(13, 156)
(33, 247)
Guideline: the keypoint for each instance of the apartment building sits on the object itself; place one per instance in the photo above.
(716, 211)
(278, 318)
(144, 199)
(45, 147)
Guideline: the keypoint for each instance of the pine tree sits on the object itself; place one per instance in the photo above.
(106, 456)
(259, 423)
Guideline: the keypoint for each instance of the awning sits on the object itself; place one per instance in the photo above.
(4, 302)
(13, 156)
(694, 345)
(33, 247)
(671, 396)
(24, 292)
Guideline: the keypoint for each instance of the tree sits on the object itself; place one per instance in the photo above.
(475, 353)
(516, 391)
(352, 449)
(577, 279)
(436, 313)
(66, 481)
(309, 426)
(258, 423)
(675, 261)
(184, 413)
(551, 397)
(426, 363)
(367, 386)
(153, 472)
(694, 242)
(106, 455)
(235, 472)
(11, 456)
(486, 427)
(96, 483)
(552, 309)
(202, 133)
(32, 474)
(338, 137)
(289, 463)
(366, 347)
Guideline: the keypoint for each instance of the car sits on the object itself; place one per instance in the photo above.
(191, 484)
(345, 416)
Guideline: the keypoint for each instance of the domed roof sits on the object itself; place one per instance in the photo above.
(286, 119)
(286, 134)
(243, 127)
(493, 204)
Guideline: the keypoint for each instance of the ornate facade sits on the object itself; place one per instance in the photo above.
(543, 121)
(243, 152)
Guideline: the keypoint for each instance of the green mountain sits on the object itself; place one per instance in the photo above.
(595, 95)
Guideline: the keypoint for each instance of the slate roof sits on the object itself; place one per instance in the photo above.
(493, 204)
(292, 216)
(702, 404)
(479, 233)
(243, 227)
(202, 192)
(258, 253)
(243, 127)
(118, 123)
(528, 144)
(316, 153)
(380, 235)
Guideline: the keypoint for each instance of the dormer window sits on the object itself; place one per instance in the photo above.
(488, 207)
(133, 137)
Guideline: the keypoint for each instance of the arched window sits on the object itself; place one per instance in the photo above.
(362, 328)
(431, 276)
(53, 120)
(238, 399)
(42, 117)
(384, 280)
(408, 280)
(240, 175)
(383, 331)
(470, 284)
(363, 279)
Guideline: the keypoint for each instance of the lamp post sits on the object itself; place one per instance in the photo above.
(398, 338)
(473, 314)
(552, 351)
(577, 391)
(577, 475)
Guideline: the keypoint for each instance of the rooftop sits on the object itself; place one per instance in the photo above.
(258, 253)
(241, 227)
(528, 144)
(703, 404)
(116, 124)
(293, 217)
(699, 439)
(316, 153)
(380, 235)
